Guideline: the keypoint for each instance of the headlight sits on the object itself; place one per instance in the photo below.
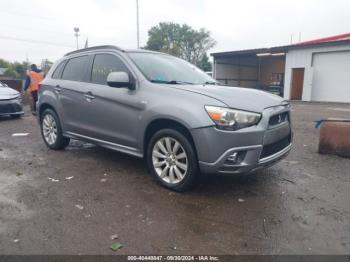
(231, 119)
(19, 98)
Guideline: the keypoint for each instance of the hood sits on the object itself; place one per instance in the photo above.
(8, 93)
(237, 97)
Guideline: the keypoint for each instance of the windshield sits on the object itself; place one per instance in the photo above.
(161, 68)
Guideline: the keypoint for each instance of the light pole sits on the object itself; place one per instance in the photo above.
(76, 34)
(137, 24)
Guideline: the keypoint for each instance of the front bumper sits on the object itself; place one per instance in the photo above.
(245, 150)
(11, 107)
(252, 161)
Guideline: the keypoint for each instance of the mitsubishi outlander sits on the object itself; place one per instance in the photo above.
(158, 107)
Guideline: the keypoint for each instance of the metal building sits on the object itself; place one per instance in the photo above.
(317, 70)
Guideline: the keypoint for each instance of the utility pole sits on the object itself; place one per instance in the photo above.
(137, 23)
(76, 34)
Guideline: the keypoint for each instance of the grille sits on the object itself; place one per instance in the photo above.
(276, 147)
(279, 119)
(9, 108)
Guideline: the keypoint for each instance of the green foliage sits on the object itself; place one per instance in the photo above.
(11, 72)
(15, 69)
(4, 63)
(21, 68)
(182, 41)
(205, 64)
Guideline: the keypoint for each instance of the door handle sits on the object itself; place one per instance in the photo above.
(89, 96)
(57, 89)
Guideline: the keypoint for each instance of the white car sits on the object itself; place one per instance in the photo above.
(10, 102)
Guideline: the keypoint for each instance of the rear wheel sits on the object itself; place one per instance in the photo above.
(172, 160)
(51, 130)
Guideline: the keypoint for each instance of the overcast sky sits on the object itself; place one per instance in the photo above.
(233, 24)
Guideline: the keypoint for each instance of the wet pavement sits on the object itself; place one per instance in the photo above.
(71, 202)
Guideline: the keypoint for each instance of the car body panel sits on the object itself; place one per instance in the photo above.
(237, 97)
(118, 118)
(10, 101)
(116, 105)
(75, 107)
(8, 93)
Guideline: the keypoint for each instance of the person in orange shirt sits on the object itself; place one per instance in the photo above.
(34, 77)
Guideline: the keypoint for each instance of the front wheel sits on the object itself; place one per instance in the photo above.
(51, 130)
(172, 160)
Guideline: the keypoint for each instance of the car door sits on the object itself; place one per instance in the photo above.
(114, 112)
(73, 89)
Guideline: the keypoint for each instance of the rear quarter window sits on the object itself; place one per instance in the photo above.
(58, 71)
(76, 69)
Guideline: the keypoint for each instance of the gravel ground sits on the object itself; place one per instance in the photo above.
(71, 202)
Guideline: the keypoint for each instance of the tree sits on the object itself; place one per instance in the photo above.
(15, 69)
(21, 68)
(4, 63)
(182, 41)
(11, 72)
(205, 64)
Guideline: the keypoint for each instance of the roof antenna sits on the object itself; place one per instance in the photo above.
(299, 37)
(291, 39)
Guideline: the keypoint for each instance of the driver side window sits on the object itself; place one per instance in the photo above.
(105, 64)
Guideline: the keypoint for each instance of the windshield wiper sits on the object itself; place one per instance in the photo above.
(211, 83)
(172, 82)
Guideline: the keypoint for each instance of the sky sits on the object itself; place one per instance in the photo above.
(43, 29)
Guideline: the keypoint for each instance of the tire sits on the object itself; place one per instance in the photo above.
(56, 141)
(169, 170)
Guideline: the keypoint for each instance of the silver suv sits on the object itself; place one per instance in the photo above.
(159, 107)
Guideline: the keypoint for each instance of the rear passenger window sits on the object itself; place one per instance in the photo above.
(105, 64)
(76, 69)
(58, 71)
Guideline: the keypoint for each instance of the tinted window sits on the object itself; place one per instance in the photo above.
(105, 64)
(58, 71)
(75, 69)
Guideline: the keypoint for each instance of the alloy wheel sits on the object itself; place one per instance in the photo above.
(49, 127)
(169, 160)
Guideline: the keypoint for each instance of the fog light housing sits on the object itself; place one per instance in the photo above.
(235, 158)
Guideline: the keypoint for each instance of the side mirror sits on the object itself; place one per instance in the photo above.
(119, 79)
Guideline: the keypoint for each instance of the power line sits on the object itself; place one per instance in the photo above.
(27, 15)
(34, 41)
(40, 29)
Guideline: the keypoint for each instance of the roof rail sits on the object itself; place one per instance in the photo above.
(94, 48)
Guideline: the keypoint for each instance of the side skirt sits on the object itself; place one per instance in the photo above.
(116, 147)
